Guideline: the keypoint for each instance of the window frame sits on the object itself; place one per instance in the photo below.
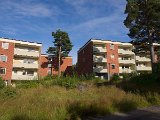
(113, 65)
(3, 56)
(4, 70)
(3, 45)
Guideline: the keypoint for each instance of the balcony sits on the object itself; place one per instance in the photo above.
(99, 49)
(142, 59)
(23, 77)
(132, 61)
(99, 59)
(21, 52)
(125, 52)
(100, 69)
(25, 65)
(125, 70)
(143, 68)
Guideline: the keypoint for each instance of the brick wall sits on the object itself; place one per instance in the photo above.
(114, 60)
(85, 60)
(43, 70)
(9, 64)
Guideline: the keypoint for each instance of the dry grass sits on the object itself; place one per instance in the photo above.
(57, 103)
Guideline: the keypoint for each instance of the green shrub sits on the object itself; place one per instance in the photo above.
(9, 92)
(27, 84)
(115, 78)
(2, 83)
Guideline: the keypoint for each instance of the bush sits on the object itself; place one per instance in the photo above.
(9, 92)
(146, 79)
(2, 83)
(27, 84)
(115, 78)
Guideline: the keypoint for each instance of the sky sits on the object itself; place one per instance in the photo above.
(35, 20)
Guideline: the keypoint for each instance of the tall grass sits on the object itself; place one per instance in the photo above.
(57, 103)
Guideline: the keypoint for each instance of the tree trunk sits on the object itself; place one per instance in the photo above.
(151, 50)
(59, 62)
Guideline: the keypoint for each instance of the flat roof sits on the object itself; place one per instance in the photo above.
(20, 41)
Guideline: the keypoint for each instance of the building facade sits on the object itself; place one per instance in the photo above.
(22, 60)
(105, 58)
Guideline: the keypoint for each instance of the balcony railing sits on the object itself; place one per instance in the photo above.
(23, 77)
(99, 59)
(132, 61)
(100, 69)
(21, 52)
(143, 68)
(99, 49)
(25, 65)
(125, 70)
(142, 59)
(127, 52)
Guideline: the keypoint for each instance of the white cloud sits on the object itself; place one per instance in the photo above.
(27, 8)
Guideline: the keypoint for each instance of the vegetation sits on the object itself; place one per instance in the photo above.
(62, 46)
(57, 103)
(143, 17)
(2, 84)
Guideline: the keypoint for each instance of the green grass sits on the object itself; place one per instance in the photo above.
(59, 103)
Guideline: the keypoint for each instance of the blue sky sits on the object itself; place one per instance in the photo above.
(34, 20)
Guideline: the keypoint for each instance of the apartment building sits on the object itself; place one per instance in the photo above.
(105, 58)
(19, 60)
(22, 60)
(49, 65)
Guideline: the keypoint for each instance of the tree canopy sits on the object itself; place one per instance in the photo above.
(61, 39)
(143, 19)
(143, 22)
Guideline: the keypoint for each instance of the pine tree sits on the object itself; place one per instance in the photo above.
(143, 21)
(62, 46)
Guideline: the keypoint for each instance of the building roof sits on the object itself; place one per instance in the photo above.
(103, 41)
(19, 41)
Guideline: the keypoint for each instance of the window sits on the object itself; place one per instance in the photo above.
(2, 71)
(15, 71)
(112, 56)
(5, 45)
(112, 46)
(113, 66)
(3, 58)
(24, 72)
(30, 73)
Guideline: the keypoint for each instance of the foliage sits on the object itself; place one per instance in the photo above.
(72, 104)
(115, 78)
(143, 18)
(61, 39)
(27, 84)
(2, 83)
(9, 92)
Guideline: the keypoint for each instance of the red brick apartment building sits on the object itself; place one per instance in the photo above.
(22, 60)
(105, 58)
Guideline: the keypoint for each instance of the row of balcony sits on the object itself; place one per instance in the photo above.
(25, 65)
(142, 59)
(102, 69)
(103, 50)
(132, 61)
(21, 52)
(126, 52)
(23, 77)
(99, 59)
